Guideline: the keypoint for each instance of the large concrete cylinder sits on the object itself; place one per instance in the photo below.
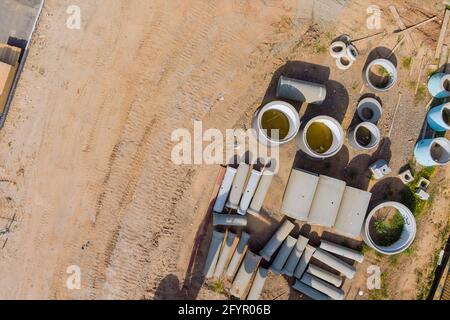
(224, 190)
(261, 191)
(238, 186)
(302, 91)
(237, 255)
(229, 220)
(213, 254)
(335, 263)
(432, 152)
(295, 255)
(324, 287)
(283, 254)
(258, 284)
(277, 238)
(364, 136)
(244, 275)
(342, 251)
(379, 82)
(304, 261)
(224, 254)
(325, 275)
(249, 191)
(438, 85)
(439, 117)
(369, 110)
(322, 137)
(310, 292)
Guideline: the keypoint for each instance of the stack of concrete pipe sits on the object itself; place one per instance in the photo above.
(344, 52)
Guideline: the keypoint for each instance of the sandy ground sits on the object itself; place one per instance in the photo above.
(86, 172)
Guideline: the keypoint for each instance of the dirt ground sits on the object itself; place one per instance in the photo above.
(86, 177)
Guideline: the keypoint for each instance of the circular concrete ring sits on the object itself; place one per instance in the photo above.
(352, 52)
(289, 111)
(388, 66)
(370, 106)
(344, 62)
(407, 236)
(338, 49)
(375, 136)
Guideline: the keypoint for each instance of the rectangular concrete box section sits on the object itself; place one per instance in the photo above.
(326, 202)
(299, 194)
(352, 212)
(224, 190)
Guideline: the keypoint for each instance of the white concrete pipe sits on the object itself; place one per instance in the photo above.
(302, 91)
(338, 49)
(295, 255)
(244, 275)
(344, 63)
(237, 255)
(224, 190)
(342, 251)
(364, 136)
(322, 137)
(238, 186)
(407, 236)
(324, 287)
(249, 191)
(310, 292)
(261, 192)
(258, 284)
(224, 254)
(369, 110)
(335, 263)
(278, 110)
(325, 275)
(229, 220)
(283, 254)
(304, 261)
(374, 81)
(213, 253)
(277, 238)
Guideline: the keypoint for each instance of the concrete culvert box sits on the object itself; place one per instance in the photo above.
(398, 233)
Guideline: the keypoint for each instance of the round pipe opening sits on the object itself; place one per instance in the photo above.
(381, 74)
(440, 151)
(390, 228)
(322, 137)
(369, 110)
(365, 136)
(277, 123)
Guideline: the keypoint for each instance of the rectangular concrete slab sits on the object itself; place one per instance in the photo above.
(326, 202)
(299, 194)
(352, 212)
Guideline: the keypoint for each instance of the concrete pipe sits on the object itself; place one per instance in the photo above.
(302, 91)
(238, 186)
(439, 117)
(325, 275)
(439, 85)
(295, 255)
(432, 152)
(341, 251)
(258, 284)
(304, 261)
(324, 287)
(310, 292)
(369, 110)
(229, 220)
(224, 254)
(344, 63)
(276, 123)
(322, 137)
(338, 49)
(352, 52)
(283, 254)
(335, 263)
(277, 238)
(407, 236)
(213, 254)
(244, 275)
(261, 192)
(364, 136)
(380, 75)
(224, 190)
(237, 255)
(249, 191)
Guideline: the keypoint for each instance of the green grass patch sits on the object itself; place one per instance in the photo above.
(406, 62)
(388, 230)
